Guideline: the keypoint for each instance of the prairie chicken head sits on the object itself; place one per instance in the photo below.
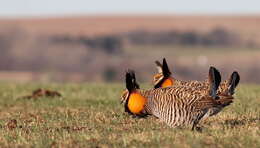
(163, 78)
(133, 101)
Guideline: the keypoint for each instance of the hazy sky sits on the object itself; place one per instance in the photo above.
(15, 8)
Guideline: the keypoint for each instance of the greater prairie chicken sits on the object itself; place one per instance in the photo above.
(165, 79)
(178, 105)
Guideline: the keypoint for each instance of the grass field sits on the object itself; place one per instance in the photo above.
(90, 115)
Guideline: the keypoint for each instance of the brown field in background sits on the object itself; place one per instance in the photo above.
(248, 26)
(35, 57)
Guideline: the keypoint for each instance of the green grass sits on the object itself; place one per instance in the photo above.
(90, 115)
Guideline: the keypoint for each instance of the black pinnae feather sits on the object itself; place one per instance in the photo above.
(165, 68)
(135, 84)
(130, 79)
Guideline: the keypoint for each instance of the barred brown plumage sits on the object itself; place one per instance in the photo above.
(177, 105)
(164, 75)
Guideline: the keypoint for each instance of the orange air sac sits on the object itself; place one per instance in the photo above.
(136, 102)
(167, 83)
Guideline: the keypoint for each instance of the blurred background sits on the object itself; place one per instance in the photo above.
(96, 41)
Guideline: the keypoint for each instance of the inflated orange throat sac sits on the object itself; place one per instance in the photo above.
(136, 102)
(166, 83)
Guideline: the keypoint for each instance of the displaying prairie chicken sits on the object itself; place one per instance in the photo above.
(165, 79)
(178, 105)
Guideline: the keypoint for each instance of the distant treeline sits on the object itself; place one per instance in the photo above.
(110, 44)
(115, 43)
(216, 37)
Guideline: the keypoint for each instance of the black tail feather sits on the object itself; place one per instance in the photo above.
(233, 82)
(214, 80)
